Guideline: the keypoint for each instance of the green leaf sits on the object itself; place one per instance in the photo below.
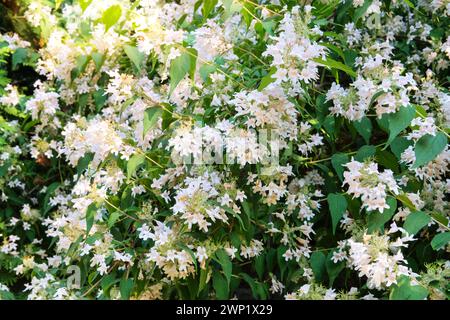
(202, 280)
(439, 217)
(182, 65)
(364, 128)
(350, 56)
(84, 4)
(126, 285)
(410, 4)
(330, 126)
(403, 290)
(429, 147)
(365, 152)
(260, 265)
(126, 199)
(100, 99)
(113, 217)
(360, 11)
(108, 281)
(220, 286)
(205, 70)
(98, 59)
(50, 189)
(58, 4)
(18, 57)
(111, 16)
(399, 145)
(252, 283)
(403, 198)
(398, 121)
(377, 219)
(337, 160)
(90, 216)
(416, 221)
(167, 118)
(269, 26)
(317, 262)
(266, 80)
(333, 269)
(151, 116)
(387, 160)
(135, 56)
(337, 204)
(342, 9)
(82, 62)
(333, 64)
(248, 12)
(225, 263)
(134, 162)
(208, 6)
(440, 240)
(230, 6)
(334, 48)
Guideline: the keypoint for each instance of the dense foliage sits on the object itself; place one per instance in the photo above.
(216, 149)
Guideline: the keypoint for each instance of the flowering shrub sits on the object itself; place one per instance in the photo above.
(217, 149)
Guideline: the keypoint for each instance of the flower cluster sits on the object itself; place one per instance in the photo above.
(365, 181)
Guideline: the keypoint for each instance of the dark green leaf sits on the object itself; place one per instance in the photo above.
(337, 205)
(365, 152)
(399, 145)
(220, 286)
(317, 262)
(398, 121)
(126, 285)
(364, 128)
(90, 216)
(333, 64)
(377, 219)
(225, 262)
(333, 269)
(18, 57)
(337, 160)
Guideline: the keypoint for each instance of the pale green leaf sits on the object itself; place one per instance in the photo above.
(111, 16)
(151, 117)
(135, 56)
(133, 163)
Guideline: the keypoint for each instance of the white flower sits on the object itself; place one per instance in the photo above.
(144, 232)
(365, 181)
(137, 190)
(12, 98)
(200, 254)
